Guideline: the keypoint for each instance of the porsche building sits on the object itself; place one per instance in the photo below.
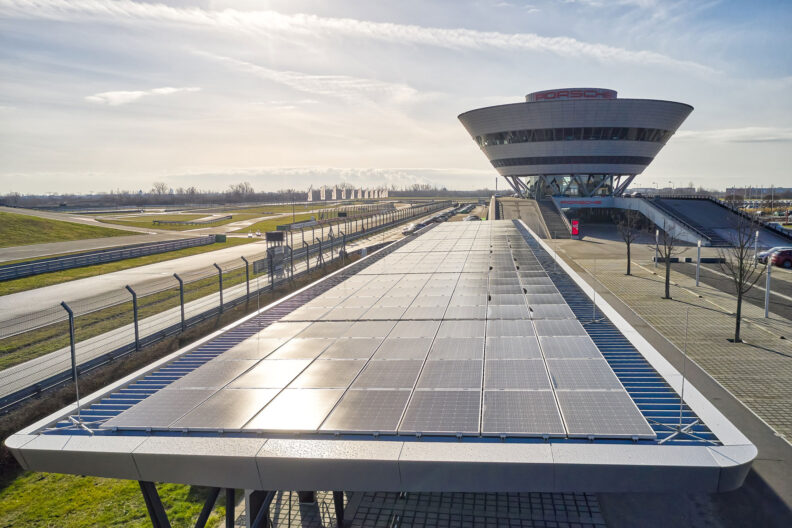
(574, 141)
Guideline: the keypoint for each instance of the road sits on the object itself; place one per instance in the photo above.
(41, 368)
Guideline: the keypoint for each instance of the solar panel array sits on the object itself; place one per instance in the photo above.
(458, 332)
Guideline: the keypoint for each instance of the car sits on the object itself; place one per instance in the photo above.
(471, 218)
(762, 256)
(258, 233)
(409, 230)
(782, 259)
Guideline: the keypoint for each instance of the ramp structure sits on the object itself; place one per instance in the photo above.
(468, 358)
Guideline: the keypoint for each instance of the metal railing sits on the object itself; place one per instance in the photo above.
(102, 256)
(119, 322)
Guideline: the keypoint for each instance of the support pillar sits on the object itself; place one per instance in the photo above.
(154, 505)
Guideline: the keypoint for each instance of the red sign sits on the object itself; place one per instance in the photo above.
(571, 93)
(575, 230)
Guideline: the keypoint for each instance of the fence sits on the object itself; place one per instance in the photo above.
(35, 267)
(35, 349)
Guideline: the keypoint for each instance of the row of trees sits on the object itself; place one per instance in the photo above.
(738, 261)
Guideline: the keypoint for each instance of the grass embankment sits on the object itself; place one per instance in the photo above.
(42, 500)
(57, 277)
(24, 230)
(148, 221)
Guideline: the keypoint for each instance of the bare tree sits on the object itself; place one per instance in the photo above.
(740, 264)
(669, 247)
(627, 224)
(159, 188)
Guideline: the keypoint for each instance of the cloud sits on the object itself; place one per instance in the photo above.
(739, 135)
(269, 23)
(123, 97)
(339, 86)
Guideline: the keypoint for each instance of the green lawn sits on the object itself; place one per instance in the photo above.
(56, 277)
(23, 230)
(44, 500)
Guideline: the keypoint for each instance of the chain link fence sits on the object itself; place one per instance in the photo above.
(35, 349)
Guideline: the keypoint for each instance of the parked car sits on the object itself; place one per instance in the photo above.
(782, 259)
(471, 218)
(410, 229)
(762, 256)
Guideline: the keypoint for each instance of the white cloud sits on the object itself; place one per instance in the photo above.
(269, 23)
(122, 97)
(738, 135)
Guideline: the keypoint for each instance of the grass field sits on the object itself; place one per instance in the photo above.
(56, 277)
(43, 500)
(23, 230)
(147, 221)
(271, 224)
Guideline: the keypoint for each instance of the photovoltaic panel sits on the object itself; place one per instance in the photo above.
(513, 348)
(328, 374)
(451, 374)
(475, 328)
(510, 328)
(457, 348)
(522, 374)
(415, 329)
(572, 347)
(521, 412)
(213, 374)
(226, 409)
(551, 311)
(443, 411)
(270, 374)
(368, 410)
(388, 375)
(369, 329)
(561, 327)
(253, 348)
(296, 410)
(507, 312)
(352, 348)
(302, 348)
(582, 374)
(540, 299)
(602, 413)
(161, 408)
(404, 348)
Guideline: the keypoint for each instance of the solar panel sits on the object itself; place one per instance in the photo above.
(447, 412)
(283, 330)
(425, 312)
(495, 311)
(160, 409)
(582, 374)
(523, 374)
(296, 410)
(465, 312)
(603, 414)
(368, 410)
(226, 409)
(369, 329)
(328, 374)
(457, 348)
(388, 375)
(572, 347)
(510, 328)
(451, 374)
(328, 329)
(475, 328)
(352, 348)
(213, 374)
(551, 311)
(302, 348)
(404, 348)
(270, 374)
(521, 412)
(341, 313)
(513, 348)
(555, 298)
(561, 327)
(253, 348)
(415, 329)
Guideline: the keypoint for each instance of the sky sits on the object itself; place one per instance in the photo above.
(100, 95)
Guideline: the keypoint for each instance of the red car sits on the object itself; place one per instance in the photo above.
(782, 259)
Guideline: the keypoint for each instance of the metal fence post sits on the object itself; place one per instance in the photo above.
(181, 300)
(220, 277)
(247, 276)
(307, 257)
(73, 347)
(767, 288)
(135, 314)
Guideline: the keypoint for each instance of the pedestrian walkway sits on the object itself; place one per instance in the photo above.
(757, 372)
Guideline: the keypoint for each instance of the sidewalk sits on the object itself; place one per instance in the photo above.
(758, 372)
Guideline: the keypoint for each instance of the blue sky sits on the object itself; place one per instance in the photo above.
(104, 94)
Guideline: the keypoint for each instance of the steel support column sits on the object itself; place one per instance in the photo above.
(208, 506)
(338, 502)
(154, 505)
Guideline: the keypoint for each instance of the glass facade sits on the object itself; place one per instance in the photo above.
(655, 135)
(561, 160)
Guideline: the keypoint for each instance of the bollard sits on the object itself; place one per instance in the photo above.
(135, 314)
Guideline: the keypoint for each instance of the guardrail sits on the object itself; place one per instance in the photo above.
(101, 256)
(120, 322)
(194, 222)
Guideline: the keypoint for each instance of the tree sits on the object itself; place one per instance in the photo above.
(669, 247)
(627, 224)
(159, 188)
(740, 264)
